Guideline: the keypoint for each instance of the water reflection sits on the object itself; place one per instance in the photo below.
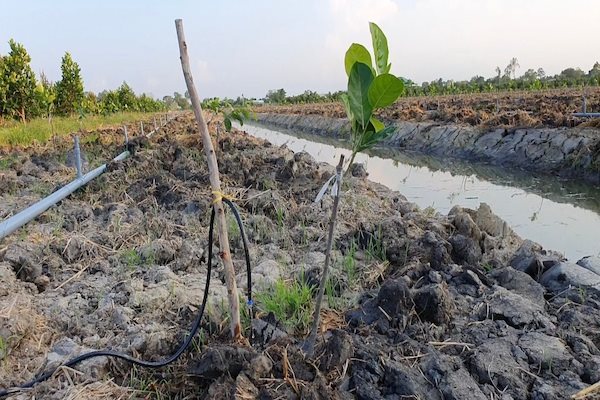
(561, 215)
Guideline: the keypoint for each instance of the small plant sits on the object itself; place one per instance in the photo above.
(3, 348)
(291, 303)
(145, 383)
(406, 251)
(369, 88)
(332, 300)
(582, 292)
(131, 258)
(429, 211)
(487, 267)
(229, 113)
(233, 228)
(280, 216)
(7, 162)
(305, 234)
(375, 247)
(349, 263)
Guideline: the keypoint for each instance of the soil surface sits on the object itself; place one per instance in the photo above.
(549, 108)
(421, 305)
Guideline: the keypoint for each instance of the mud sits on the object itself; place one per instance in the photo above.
(438, 307)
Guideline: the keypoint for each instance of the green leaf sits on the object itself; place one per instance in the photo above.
(238, 117)
(384, 90)
(380, 47)
(346, 102)
(377, 124)
(227, 123)
(357, 53)
(359, 82)
(371, 138)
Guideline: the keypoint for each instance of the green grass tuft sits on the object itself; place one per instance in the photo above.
(130, 258)
(291, 303)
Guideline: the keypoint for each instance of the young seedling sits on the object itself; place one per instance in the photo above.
(229, 113)
(336, 192)
(369, 89)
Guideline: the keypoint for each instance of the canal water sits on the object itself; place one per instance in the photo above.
(560, 215)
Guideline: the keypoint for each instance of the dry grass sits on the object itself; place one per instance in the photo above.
(331, 319)
(28, 341)
(40, 130)
(106, 390)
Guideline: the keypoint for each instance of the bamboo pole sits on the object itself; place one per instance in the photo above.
(215, 183)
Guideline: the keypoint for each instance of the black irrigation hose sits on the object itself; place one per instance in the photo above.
(195, 325)
(238, 218)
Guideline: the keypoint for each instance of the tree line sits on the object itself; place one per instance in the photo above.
(505, 80)
(23, 96)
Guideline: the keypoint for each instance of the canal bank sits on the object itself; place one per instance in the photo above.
(565, 152)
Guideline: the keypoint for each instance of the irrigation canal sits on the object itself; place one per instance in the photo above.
(561, 215)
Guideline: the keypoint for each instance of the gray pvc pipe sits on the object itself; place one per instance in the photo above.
(13, 223)
(586, 115)
(16, 221)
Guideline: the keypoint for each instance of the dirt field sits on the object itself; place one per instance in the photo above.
(552, 108)
(419, 306)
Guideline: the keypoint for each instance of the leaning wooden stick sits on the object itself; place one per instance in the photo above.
(587, 392)
(337, 192)
(215, 182)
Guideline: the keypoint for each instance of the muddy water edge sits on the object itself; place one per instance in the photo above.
(421, 305)
(560, 213)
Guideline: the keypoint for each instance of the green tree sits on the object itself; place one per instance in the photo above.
(182, 102)
(126, 98)
(275, 96)
(90, 103)
(45, 95)
(148, 104)
(541, 73)
(2, 88)
(69, 90)
(108, 102)
(169, 102)
(594, 74)
(18, 84)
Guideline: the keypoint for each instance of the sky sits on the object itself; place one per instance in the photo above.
(249, 47)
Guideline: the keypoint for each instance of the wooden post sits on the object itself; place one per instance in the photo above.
(215, 183)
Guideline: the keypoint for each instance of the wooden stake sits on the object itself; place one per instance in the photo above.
(215, 183)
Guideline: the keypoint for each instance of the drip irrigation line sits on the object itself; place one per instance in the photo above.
(195, 326)
(13, 223)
